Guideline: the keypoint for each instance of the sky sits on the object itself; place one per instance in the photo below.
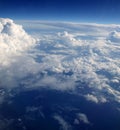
(98, 11)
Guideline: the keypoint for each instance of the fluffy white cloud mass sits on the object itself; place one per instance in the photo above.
(13, 40)
(14, 43)
(81, 117)
(67, 56)
(93, 98)
(114, 36)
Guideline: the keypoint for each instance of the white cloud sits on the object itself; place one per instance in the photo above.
(14, 44)
(114, 36)
(81, 117)
(62, 59)
(92, 98)
(95, 99)
(13, 41)
(64, 125)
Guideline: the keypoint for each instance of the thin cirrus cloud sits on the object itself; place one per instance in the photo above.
(70, 56)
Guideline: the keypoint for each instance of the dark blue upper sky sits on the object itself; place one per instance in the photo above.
(99, 11)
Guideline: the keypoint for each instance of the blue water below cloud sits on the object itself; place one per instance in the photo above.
(51, 102)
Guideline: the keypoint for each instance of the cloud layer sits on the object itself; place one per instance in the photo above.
(75, 57)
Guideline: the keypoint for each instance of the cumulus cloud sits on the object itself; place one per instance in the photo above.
(69, 39)
(95, 99)
(114, 36)
(72, 57)
(81, 117)
(13, 40)
(92, 98)
(14, 43)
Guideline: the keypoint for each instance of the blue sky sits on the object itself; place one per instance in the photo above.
(99, 11)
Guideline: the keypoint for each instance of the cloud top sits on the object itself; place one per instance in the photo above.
(14, 45)
(114, 36)
(13, 39)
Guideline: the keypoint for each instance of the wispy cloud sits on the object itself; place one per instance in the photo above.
(62, 122)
